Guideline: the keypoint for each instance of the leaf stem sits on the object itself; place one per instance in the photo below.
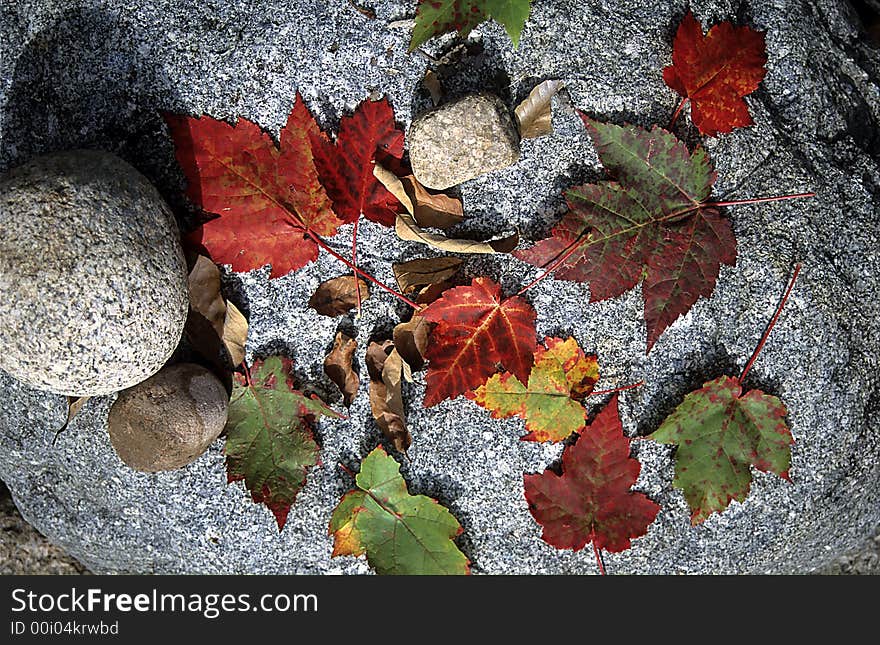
(354, 246)
(759, 200)
(598, 558)
(617, 389)
(797, 270)
(347, 470)
(677, 112)
(322, 244)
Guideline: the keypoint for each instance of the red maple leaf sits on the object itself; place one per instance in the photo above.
(715, 72)
(591, 500)
(269, 198)
(654, 225)
(346, 167)
(476, 330)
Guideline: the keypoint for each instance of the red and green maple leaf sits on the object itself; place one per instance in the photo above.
(346, 166)
(401, 534)
(714, 72)
(653, 225)
(550, 404)
(269, 434)
(269, 198)
(476, 330)
(720, 432)
(435, 17)
(591, 500)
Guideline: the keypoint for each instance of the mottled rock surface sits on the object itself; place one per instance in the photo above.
(168, 420)
(462, 140)
(24, 551)
(816, 118)
(92, 275)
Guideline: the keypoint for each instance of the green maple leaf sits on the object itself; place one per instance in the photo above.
(435, 17)
(719, 432)
(401, 534)
(269, 441)
(550, 403)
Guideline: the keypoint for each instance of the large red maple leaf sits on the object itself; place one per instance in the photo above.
(591, 500)
(476, 330)
(346, 167)
(716, 71)
(655, 226)
(269, 198)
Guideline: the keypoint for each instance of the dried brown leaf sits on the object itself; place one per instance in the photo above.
(426, 209)
(375, 358)
(216, 329)
(415, 275)
(534, 116)
(430, 209)
(386, 368)
(74, 405)
(338, 365)
(433, 291)
(204, 293)
(337, 296)
(408, 230)
(432, 83)
(235, 331)
(411, 341)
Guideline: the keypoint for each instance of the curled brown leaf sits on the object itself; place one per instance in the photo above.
(387, 369)
(534, 116)
(337, 296)
(216, 329)
(426, 209)
(411, 341)
(408, 230)
(338, 365)
(430, 209)
(413, 276)
(74, 405)
(235, 331)
(432, 83)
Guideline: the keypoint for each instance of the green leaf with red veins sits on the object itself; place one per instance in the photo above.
(268, 197)
(269, 435)
(652, 225)
(720, 432)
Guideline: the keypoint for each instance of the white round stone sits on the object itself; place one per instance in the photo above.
(92, 275)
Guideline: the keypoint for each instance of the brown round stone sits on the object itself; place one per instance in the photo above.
(170, 419)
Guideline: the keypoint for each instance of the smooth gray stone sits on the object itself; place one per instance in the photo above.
(92, 275)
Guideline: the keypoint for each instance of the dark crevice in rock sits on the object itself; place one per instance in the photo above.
(708, 364)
